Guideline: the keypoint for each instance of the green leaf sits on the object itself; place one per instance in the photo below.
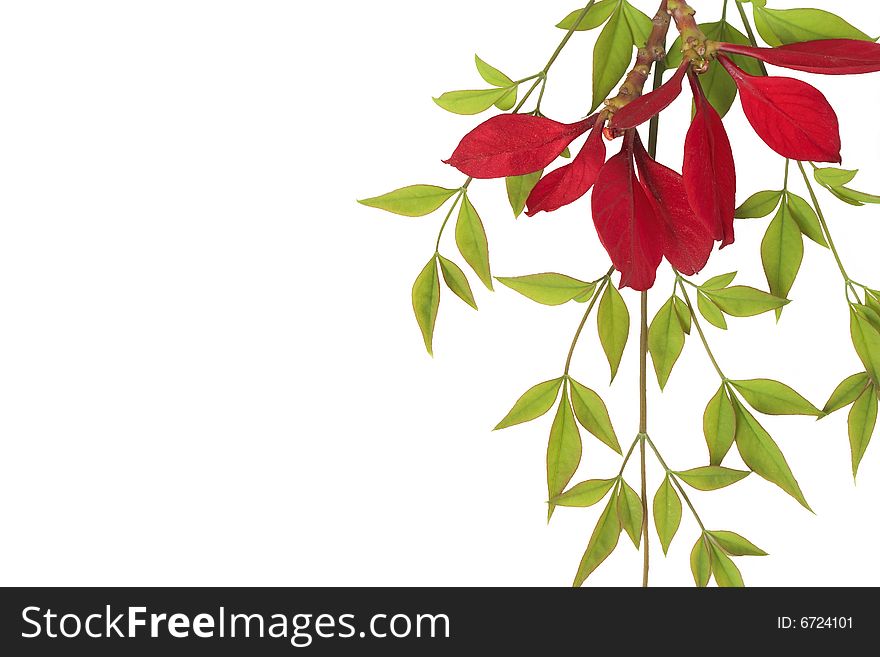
(629, 511)
(586, 493)
(519, 188)
(426, 302)
(602, 542)
(774, 398)
(727, 575)
(611, 56)
(872, 300)
(563, 449)
(667, 513)
(587, 294)
(534, 402)
(711, 477)
(782, 252)
(701, 562)
(683, 313)
(719, 426)
(783, 26)
(743, 301)
(492, 75)
(735, 545)
(866, 340)
(549, 289)
(862, 421)
(759, 205)
(710, 311)
(457, 281)
(853, 196)
(640, 25)
(837, 191)
(471, 101)
(592, 413)
(595, 17)
(508, 100)
(834, 177)
(719, 282)
(566, 153)
(470, 236)
(412, 201)
(665, 341)
(613, 324)
(806, 218)
(762, 455)
(847, 392)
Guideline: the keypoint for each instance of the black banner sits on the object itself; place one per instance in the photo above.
(418, 621)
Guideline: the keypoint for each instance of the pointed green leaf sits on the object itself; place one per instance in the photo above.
(602, 542)
(586, 493)
(759, 205)
(536, 401)
(595, 17)
(719, 426)
(470, 101)
(735, 545)
(866, 340)
(412, 201)
(872, 300)
(665, 341)
(782, 252)
(491, 74)
(841, 195)
(592, 413)
(774, 398)
(743, 301)
(667, 513)
(470, 236)
(563, 449)
(549, 289)
(519, 188)
(639, 24)
(629, 511)
(862, 421)
(684, 315)
(850, 389)
(426, 302)
(854, 196)
(726, 573)
(587, 294)
(719, 282)
(834, 177)
(762, 455)
(508, 101)
(701, 562)
(457, 281)
(711, 477)
(710, 311)
(783, 26)
(613, 325)
(806, 218)
(611, 56)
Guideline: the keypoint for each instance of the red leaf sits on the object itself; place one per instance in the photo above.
(567, 184)
(709, 171)
(514, 145)
(793, 118)
(828, 56)
(645, 107)
(624, 216)
(687, 242)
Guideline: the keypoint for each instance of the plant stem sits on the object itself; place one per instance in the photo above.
(699, 328)
(460, 195)
(828, 238)
(629, 454)
(643, 428)
(676, 483)
(580, 328)
(750, 32)
(568, 36)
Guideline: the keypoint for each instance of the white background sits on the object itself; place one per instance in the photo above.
(209, 371)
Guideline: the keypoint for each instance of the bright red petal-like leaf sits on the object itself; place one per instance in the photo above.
(687, 242)
(709, 172)
(793, 118)
(514, 145)
(567, 184)
(626, 222)
(828, 56)
(645, 107)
